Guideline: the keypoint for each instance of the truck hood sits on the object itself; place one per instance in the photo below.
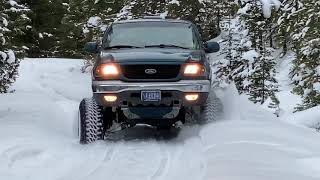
(151, 55)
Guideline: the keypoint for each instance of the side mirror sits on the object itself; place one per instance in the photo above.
(91, 47)
(212, 47)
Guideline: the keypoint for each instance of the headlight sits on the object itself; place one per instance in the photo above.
(193, 69)
(108, 71)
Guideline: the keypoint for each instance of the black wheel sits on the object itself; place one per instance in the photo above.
(91, 126)
(212, 110)
(182, 115)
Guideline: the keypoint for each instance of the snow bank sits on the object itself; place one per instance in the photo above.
(289, 101)
(309, 118)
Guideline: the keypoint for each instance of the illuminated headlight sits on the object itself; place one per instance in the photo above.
(108, 71)
(193, 69)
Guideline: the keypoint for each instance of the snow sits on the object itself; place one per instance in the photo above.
(176, 2)
(94, 21)
(2, 39)
(164, 15)
(47, 34)
(317, 86)
(125, 12)
(3, 55)
(13, 3)
(268, 5)
(11, 57)
(250, 55)
(266, 8)
(288, 101)
(309, 118)
(5, 22)
(37, 139)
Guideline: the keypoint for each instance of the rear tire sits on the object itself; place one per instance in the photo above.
(91, 126)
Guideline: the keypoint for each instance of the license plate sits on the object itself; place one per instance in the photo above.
(151, 96)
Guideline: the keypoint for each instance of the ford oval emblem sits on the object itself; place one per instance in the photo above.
(150, 71)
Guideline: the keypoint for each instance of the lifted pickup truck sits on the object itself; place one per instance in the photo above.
(147, 71)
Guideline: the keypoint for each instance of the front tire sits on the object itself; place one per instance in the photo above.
(90, 125)
(212, 110)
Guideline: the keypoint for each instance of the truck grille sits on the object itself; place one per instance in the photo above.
(161, 71)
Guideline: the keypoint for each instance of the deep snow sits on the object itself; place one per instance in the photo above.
(309, 118)
(37, 140)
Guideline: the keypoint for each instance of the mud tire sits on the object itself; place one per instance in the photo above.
(90, 127)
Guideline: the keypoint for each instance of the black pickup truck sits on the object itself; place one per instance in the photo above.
(147, 71)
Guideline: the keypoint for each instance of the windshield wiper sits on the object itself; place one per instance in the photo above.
(166, 45)
(121, 46)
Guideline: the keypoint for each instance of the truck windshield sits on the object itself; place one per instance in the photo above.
(152, 34)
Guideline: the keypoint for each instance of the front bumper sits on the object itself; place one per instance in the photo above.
(199, 86)
(129, 94)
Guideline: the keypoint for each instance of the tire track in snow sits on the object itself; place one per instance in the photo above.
(85, 169)
(107, 159)
(188, 160)
(174, 164)
(18, 153)
(133, 159)
(198, 142)
(45, 87)
(164, 164)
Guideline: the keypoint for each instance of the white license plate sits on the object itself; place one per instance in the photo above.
(150, 96)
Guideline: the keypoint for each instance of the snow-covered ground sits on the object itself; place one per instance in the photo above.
(249, 143)
(309, 118)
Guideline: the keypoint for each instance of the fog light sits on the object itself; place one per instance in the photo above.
(110, 98)
(192, 97)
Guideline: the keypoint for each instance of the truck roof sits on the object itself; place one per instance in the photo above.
(153, 20)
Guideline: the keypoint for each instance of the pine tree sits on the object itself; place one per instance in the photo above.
(263, 84)
(126, 11)
(214, 13)
(253, 67)
(86, 21)
(201, 13)
(306, 71)
(285, 24)
(205, 14)
(12, 20)
(289, 25)
(141, 8)
(231, 39)
(43, 37)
